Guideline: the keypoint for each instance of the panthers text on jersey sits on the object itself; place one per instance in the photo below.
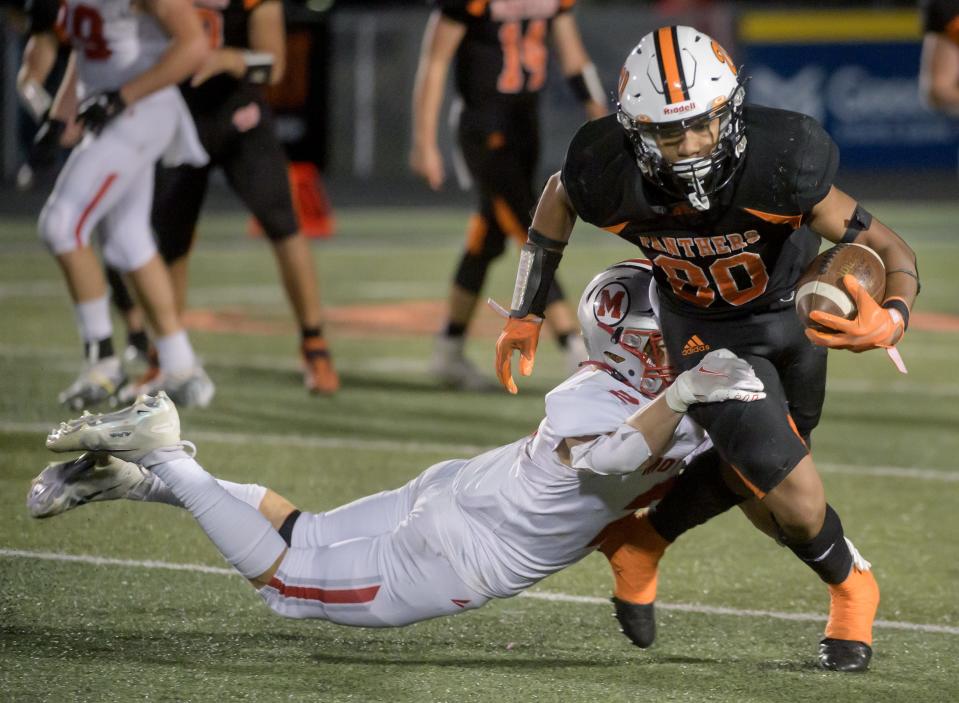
(504, 52)
(744, 252)
(510, 517)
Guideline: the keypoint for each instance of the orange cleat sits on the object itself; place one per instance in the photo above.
(634, 549)
(319, 376)
(852, 609)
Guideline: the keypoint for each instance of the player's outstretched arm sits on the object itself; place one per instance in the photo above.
(648, 433)
(839, 218)
(552, 227)
(39, 56)
(440, 40)
(579, 71)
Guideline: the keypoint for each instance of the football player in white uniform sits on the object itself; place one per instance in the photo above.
(120, 92)
(462, 532)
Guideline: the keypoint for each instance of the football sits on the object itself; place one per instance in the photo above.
(821, 286)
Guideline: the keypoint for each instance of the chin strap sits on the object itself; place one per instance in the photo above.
(700, 201)
(697, 196)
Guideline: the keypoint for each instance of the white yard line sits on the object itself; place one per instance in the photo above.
(537, 595)
(947, 475)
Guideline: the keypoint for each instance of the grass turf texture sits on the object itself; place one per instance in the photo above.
(79, 631)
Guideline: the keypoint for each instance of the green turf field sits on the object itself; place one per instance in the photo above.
(739, 619)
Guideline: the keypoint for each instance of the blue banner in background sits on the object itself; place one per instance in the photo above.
(855, 72)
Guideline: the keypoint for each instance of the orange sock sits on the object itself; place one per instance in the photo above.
(852, 607)
(634, 549)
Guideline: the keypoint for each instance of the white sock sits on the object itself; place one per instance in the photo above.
(245, 538)
(175, 353)
(93, 319)
(153, 490)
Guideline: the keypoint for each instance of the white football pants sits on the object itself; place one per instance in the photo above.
(109, 178)
(366, 563)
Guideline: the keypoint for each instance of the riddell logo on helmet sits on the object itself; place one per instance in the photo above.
(679, 109)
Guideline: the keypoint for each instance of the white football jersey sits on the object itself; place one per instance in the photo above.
(516, 514)
(113, 40)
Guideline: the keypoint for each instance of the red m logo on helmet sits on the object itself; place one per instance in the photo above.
(610, 304)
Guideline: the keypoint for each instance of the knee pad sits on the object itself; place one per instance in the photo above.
(472, 272)
(280, 228)
(755, 438)
(174, 245)
(128, 251)
(57, 227)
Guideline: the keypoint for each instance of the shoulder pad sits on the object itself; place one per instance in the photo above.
(793, 179)
(590, 405)
(599, 173)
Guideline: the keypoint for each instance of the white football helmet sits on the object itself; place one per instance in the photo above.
(620, 330)
(678, 78)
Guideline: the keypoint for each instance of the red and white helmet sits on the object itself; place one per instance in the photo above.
(620, 329)
(675, 79)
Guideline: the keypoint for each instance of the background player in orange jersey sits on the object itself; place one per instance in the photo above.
(501, 54)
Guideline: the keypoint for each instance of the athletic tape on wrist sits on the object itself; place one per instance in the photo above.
(534, 276)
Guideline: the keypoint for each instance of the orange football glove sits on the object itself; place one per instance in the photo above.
(520, 334)
(874, 326)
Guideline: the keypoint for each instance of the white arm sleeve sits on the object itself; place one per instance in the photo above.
(620, 452)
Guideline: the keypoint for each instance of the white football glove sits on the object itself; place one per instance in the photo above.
(721, 375)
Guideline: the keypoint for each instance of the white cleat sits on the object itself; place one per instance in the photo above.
(90, 477)
(189, 389)
(97, 382)
(130, 433)
(450, 365)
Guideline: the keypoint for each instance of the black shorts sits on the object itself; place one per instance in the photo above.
(239, 136)
(500, 145)
(763, 440)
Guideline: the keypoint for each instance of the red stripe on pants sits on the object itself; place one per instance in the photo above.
(326, 595)
(108, 181)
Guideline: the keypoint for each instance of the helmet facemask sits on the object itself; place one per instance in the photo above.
(646, 344)
(695, 179)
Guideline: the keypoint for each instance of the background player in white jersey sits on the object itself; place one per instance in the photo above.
(463, 531)
(127, 59)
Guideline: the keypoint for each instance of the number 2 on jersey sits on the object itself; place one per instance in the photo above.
(522, 52)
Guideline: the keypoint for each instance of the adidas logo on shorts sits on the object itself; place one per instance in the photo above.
(694, 345)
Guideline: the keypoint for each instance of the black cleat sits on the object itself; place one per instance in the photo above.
(638, 621)
(844, 655)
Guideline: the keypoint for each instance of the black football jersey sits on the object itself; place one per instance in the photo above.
(941, 17)
(747, 250)
(504, 53)
(226, 23)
